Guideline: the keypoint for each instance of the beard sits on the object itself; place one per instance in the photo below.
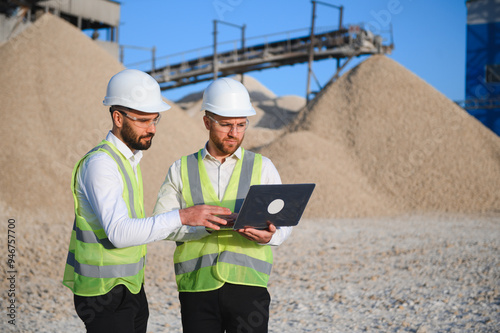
(134, 141)
(225, 147)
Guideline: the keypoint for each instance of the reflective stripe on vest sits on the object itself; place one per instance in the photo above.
(101, 265)
(105, 272)
(243, 185)
(223, 256)
(227, 257)
(89, 236)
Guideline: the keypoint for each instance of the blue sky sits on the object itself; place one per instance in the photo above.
(429, 36)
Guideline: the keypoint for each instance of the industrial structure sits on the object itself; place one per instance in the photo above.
(343, 43)
(482, 81)
(337, 44)
(101, 16)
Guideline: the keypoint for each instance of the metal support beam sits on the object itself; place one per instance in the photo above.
(215, 63)
(152, 49)
(153, 59)
(243, 46)
(311, 46)
(339, 69)
(311, 53)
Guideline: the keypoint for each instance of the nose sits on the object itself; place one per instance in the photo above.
(152, 128)
(233, 131)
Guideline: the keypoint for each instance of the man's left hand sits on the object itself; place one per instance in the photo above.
(257, 235)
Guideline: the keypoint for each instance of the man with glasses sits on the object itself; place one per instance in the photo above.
(107, 251)
(222, 275)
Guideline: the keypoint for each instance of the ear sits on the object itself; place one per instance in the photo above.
(206, 120)
(117, 119)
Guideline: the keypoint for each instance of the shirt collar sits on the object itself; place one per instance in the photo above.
(205, 153)
(122, 148)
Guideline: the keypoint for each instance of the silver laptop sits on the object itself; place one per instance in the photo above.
(281, 204)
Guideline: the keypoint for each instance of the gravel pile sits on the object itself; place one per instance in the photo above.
(381, 141)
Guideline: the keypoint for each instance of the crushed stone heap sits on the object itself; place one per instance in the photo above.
(381, 141)
(53, 81)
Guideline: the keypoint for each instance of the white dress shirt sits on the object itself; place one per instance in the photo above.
(99, 190)
(170, 196)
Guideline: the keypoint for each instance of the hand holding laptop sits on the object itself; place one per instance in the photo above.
(261, 236)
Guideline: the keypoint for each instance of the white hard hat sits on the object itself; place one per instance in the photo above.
(136, 90)
(227, 98)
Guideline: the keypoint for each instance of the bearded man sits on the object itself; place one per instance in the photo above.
(222, 275)
(107, 251)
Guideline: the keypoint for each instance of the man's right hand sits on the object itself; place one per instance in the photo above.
(204, 215)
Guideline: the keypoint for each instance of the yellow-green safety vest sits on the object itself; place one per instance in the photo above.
(94, 265)
(224, 255)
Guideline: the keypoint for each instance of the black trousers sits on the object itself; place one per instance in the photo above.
(118, 311)
(231, 308)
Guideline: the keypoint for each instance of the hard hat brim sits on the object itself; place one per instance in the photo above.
(160, 107)
(228, 113)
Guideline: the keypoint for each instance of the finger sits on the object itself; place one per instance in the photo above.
(217, 219)
(213, 220)
(217, 210)
(228, 218)
(211, 226)
(251, 234)
(247, 236)
(242, 232)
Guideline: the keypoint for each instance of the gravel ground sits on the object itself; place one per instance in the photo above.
(408, 274)
(421, 274)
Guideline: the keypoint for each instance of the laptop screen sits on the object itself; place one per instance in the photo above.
(281, 204)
